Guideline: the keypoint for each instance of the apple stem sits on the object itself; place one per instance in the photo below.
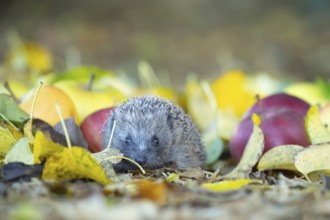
(7, 86)
(112, 132)
(66, 133)
(259, 100)
(90, 82)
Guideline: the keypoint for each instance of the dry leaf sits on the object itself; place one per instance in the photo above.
(20, 152)
(316, 131)
(155, 191)
(44, 147)
(315, 158)
(28, 131)
(106, 158)
(228, 185)
(279, 158)
(74, 163)
(252, 152)
(7, 140)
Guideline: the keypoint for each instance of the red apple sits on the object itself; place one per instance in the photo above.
(92, 127)
(281, 100)
(282, 123)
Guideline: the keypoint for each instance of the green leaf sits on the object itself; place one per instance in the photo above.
(10, 109)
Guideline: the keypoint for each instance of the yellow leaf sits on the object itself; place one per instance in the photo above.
(44, 147)
(31, 56)
(74, 163)
(316, 131)
(20, 152)
(279, 158)
(172, 177)
(228, 185)
(198, 105)
(7, 140)
(251, 155)
(256, 119)
(28, 131)
(231, 92)
(314, 158)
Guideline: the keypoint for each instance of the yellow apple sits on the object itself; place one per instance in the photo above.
(45, 104)
(89, 101)
(310, 92)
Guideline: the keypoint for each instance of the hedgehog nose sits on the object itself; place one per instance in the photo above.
(142, 160)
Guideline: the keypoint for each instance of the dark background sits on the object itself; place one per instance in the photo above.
(289, 39)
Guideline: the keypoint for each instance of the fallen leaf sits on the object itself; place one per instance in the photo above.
(10, 109)
(315, 158)
(252, 152)
(228, 185)
(279, 158)
(20, 152)
(110, 154)
(198, 105)
(106, 158)
(154, 191)
(172, 177)
(19, 171)
(44, 147)
(76, 135)
(73, 163)
(29, 56)
(7, 140)
(28, 131)
(316, 131)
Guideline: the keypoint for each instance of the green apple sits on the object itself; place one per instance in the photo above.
(88, 101)
(310, 92)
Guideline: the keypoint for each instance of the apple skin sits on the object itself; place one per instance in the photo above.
(89, 101)
(92, 128)
(45, 104)
(280, 126)
(281, 100)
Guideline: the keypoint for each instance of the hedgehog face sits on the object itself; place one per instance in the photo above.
(143, 136)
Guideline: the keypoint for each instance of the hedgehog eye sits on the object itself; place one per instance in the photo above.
(127, 140)
(155, 140)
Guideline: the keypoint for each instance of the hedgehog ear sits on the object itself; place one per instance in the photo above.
(170, 121)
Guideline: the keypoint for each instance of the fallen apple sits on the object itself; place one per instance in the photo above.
(88, 100)
(281, 100)
(45, 104)
(92, 127)
(282, 123)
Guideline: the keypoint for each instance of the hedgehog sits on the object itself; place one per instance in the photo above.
(154, 132)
